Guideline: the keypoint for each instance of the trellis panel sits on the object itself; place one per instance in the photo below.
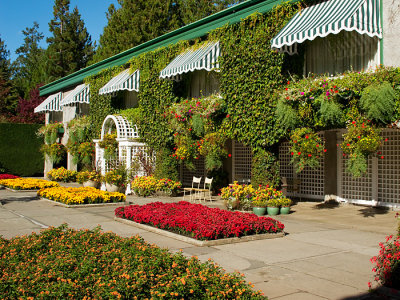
(242, 161)
(389, 167)
(311, 181)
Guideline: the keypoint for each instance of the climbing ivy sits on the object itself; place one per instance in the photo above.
(101, 105)
(251, 72)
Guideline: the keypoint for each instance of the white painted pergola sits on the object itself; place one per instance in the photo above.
(128, 145)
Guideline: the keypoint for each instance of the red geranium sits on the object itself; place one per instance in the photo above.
(198, 221)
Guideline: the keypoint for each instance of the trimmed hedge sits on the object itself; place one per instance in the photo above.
(19, 149)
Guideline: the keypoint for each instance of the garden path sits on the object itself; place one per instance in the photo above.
(325, 254)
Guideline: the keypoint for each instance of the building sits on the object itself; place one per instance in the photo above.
(330, 36)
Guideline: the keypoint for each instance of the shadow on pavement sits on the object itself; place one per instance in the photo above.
(19, 199)
(381, 293)
(372, 211)
(327, 205)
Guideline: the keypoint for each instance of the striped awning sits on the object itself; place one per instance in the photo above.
(326, 17)
(123, 81)
(79, 95)
(52, 103)
(200, 58)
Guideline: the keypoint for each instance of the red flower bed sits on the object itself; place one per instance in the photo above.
(198, 221)
(8, 176)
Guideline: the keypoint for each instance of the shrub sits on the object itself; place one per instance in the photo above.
(62, 174)
(92, 264)
(166, 165)
(387, 262)
(19, 149)
(81, 195)
(198, 221)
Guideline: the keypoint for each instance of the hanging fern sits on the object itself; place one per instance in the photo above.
(357, 164)
(331, 112)
(286, 115)
(378, 102)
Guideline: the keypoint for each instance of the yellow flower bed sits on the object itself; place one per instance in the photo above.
(27, 183)
(81, 195)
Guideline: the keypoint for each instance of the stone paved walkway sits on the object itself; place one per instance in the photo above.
(325, 254)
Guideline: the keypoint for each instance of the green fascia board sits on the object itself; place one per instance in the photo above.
(194, 30)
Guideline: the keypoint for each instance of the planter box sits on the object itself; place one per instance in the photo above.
(195, 242)
(83, 205)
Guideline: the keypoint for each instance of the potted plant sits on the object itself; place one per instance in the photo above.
(259, 205)
(273, 206)
(116, 179)
(89, 178)
(285, 205)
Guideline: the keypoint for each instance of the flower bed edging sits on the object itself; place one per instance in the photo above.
(83, 205)
(199, 243)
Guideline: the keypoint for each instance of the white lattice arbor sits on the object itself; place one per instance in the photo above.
(128, 145)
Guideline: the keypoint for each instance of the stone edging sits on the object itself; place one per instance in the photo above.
(202, 243)
(83, 205)
(20, 191)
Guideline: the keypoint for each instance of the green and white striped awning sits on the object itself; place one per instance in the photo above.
(326, 17)
(52, 103)
(79, 95)
(123, 81)
(200, 58)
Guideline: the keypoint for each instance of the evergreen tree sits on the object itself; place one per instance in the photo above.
(70, 47)
(30, 66)
(8, 97)
(136, 21)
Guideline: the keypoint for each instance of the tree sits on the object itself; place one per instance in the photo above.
(30, 66)
(8, 98)
(25, 109)
(136, 21)
(70, 47)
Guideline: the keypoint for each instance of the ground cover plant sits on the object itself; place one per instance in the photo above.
(62, 174)
(112, 267)
(81, 195)
(198, 221)
(28, 183)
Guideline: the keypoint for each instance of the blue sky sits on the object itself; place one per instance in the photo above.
(16, 15)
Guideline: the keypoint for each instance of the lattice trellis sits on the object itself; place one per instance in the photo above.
(125, 130)
(187, 175)
(355, 188)
(311, 181)
(389, 167)
(149, 158)
(242, 161)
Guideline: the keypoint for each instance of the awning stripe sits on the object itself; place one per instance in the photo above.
(327, 17)
(51, 103)
(203, 58)
(81, 94)
(123, 81)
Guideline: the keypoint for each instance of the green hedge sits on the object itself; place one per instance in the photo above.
(19, 149)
